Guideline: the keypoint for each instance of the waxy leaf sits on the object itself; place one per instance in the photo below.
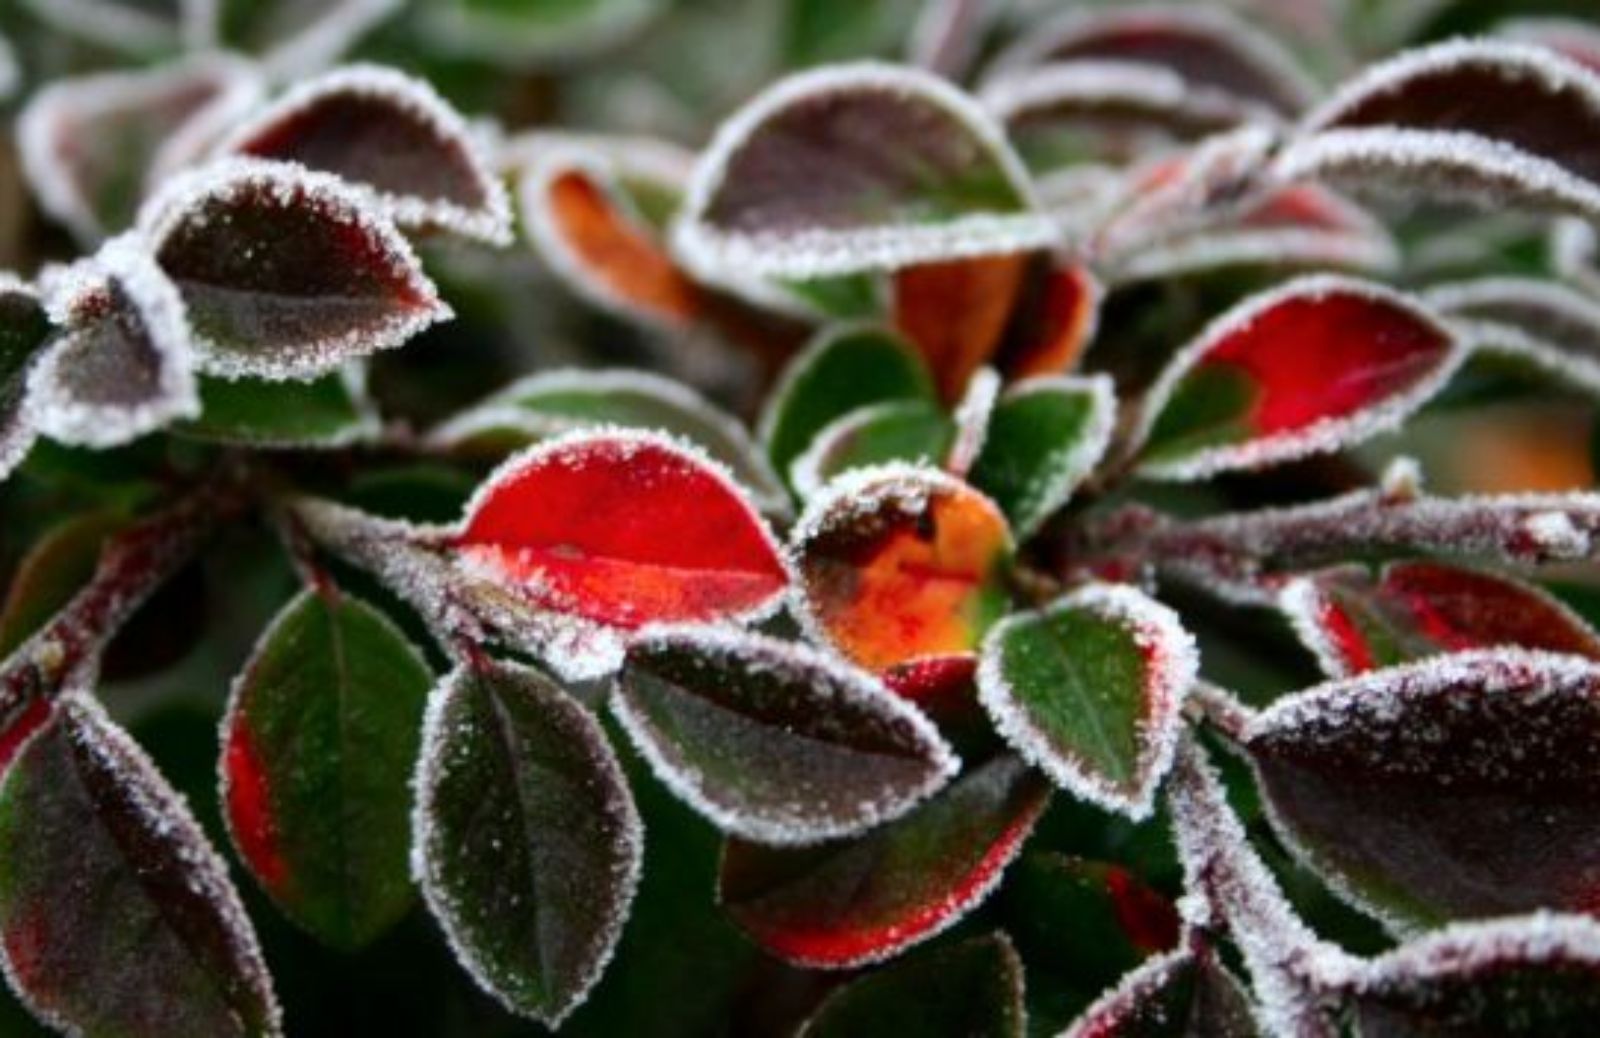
(1314, 366)
(844, 369)
(855, 901)
(318, 744)
(1456, 787)
(121, 364)
(1524, 977)
(774, 742)
(913, 431)
(93, 145)
(330, 411)
(1090, 689)
(116, 916)
(1218, 56)
(898, 562)
(1471, 120)
(852, 168)
(527, 841)
(624, 529)
(540, 406)
(1045, 436)
(24, 329)
(956, 312)
(1176, 995)
(286, 274)
(392, 134)
(959, 991)
(1353, 623)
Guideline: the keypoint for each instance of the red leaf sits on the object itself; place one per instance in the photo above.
(956, 311)
(1054, 324)
(624, 529)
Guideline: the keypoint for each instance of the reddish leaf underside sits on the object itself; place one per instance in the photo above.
(623, 530)
(855, 901)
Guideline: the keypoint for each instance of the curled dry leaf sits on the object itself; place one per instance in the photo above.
(393, 135)
(862, 900)
(526, 841)
(773, 742)
(898, 562)
(1313, 366)
(286, 273)
(116, 916)
(852, 168)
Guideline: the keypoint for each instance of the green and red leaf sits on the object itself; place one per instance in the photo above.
(1178, 994)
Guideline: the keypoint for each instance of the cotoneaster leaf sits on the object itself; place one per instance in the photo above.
(1090, 689)
(527, 843)
(294, 39)
(1448, 789)
(774, 742)
(958, 991)
(286, 274)
(330, 411)
(913, 431)
(24, 330)
(956, 312)
(392, 134)
(1353, 623)
(856, 167)
(1543, 324)
(318, 744)
(1180, 993)
(866, 899)
(898, 562)
(623, 529)
(116, 916)
(1364, 358)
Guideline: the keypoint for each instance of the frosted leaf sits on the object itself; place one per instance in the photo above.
(524, 35)
(853, 168)
(1218, 55)
(972, 415)
(1302, 225)
(286, 273)
(1550, 326)
(333, 411)
(774, 742)
(1456, 787)
(91, 145)
(1103, 725)
(133, 26)
(1473, 120)
(1570, 37)
(118, 916)
(911, 431)
(24, 330)
(523, 824)
(1045, 437)
(1364, 358)
(897, 562)
(121, 364)
(1179, 989)
(856, 901)
(392, 135)
(957, 312)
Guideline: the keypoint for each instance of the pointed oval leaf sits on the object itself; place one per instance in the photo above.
(1171, 996)
(553, 402)
(1523, 977)
(1091, 690)
(624, 529)
(121, 363)
(863, 900)
(116, 916)
(331, 411)
(898, 562)
(956, 312)
(286, 274)
(1353, 623)
(1314, 366)
(1044, 438)
(1480, 121)
(959, 991)
(857, 167)
(1458, 787)
(527, 842)
(318, 744)
(912, 431)
(843, 369)
(390, 133)
(773, 742)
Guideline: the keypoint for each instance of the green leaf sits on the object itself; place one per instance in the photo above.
(968, 990)
(912, 431)
(117, 916)
(1044, 437)
(328, 412)
(843, 369)
(55, 567)
(527, 841)
(319, 741)
(1090, 689)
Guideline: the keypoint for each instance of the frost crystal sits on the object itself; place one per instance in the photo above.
(972, 421)
(1548, 325)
